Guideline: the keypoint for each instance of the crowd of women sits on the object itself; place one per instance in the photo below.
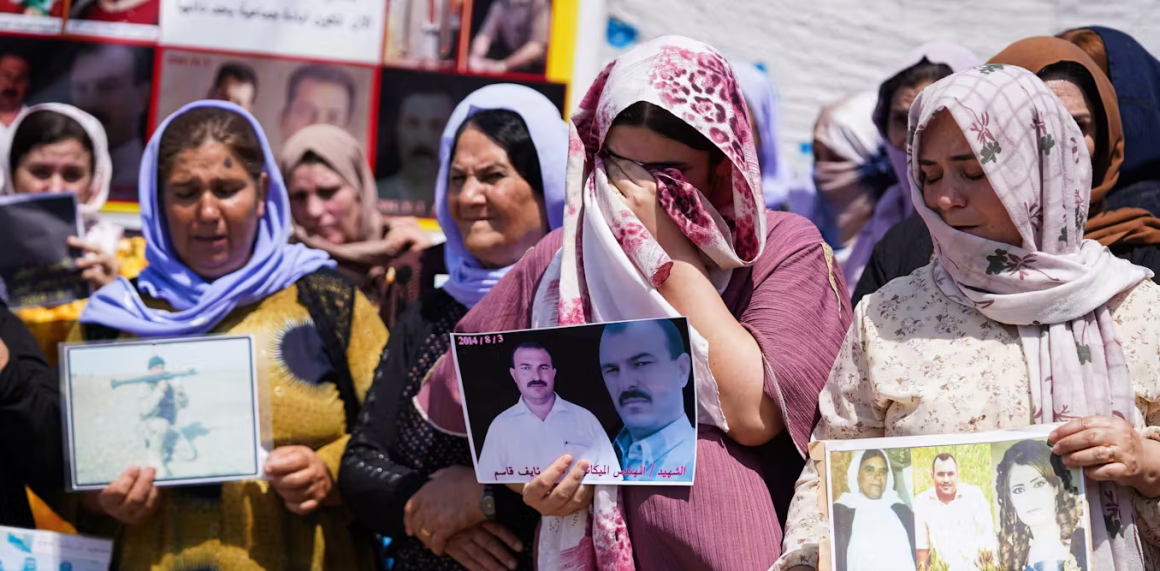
(994, 221)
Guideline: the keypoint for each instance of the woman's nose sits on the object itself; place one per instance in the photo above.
(473, 192)
(208, 209)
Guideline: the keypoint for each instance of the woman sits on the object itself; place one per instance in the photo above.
(749, 286)
(216, 219)
(871, 517)
(333, 202)
(1135, 74)
(1040, 518)
(1092, 102)
(851, 170)
(1018, 321)
(924, 66)
(500, 190)
(59, 148)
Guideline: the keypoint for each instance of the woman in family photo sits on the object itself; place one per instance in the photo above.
(1040, 514)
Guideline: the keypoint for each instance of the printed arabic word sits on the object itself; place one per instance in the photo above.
(250, 11)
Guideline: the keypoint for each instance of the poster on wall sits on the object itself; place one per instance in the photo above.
(125, 19)
(347, 30)
(414, 107)
(509, 36)
(284, 95)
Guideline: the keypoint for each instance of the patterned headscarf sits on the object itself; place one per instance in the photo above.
(1055, 285)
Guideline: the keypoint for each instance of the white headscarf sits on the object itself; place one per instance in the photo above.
(876, 529)
(103, 234)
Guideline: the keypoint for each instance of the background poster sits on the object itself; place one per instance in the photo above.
(414, 107)
(286, 96)
(343, 30)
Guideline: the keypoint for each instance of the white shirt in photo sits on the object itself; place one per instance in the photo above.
(518, 440)
(958, 530)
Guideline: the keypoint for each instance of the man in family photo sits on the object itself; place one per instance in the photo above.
(526, 438)
(162, 397)
(646, 370)
(872, 518)
(953, 519)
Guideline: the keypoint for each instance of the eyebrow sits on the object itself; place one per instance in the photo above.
(662, 165)
(491, 165)
(956, 158)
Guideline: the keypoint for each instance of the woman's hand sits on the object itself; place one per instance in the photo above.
(485, 547)
(300, 477)
(1109, 449)
(97, 267)
(132, 498)
(565, 498)
(638, 187)
(443, 507)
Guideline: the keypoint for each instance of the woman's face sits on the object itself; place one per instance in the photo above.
(644, 146)
(324, 203)
(212, 208)
(1032, 495)
(898, 121)
(1079, 107)
(872, 477)
(64, 166)
(955, 186)
(496, 211)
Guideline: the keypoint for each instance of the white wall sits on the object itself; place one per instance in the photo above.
(820, 50)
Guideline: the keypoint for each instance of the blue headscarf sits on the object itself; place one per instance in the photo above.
(761, 96)
(468, 280)
(201, 305)
(1135, 74)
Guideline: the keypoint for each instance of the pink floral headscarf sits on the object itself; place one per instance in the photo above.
(610, 266)
(1055, 285)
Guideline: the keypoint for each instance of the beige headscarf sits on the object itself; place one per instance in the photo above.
(342, 153)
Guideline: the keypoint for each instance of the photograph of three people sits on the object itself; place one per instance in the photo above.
(1001, 501)
(620, 396)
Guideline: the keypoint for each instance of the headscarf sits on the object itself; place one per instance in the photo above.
(200, 305)
(1130, 225)
(101, 233)
(609, 266)
(468, 281)
(1054, 286)
(761, 95)
(850, 187)
(876, 528)
(343, 154)
(1135, 73)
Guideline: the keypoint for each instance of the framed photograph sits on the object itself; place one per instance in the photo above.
(29, 550)
(508, 37)
(423, 34)
(188, 407)
(618, 395)
(414, 107)
(37, 266)
(989, 501)
(121, 19)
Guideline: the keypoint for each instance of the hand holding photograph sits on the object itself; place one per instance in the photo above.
(618, 396)
(189, 408)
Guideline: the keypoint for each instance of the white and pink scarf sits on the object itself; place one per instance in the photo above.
(1055, 286)
(610, 266)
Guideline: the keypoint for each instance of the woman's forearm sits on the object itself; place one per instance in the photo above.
(734, 357)
(529, 53)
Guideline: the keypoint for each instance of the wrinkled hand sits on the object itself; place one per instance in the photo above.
(1107, 447)
(485, 547)
(443, 507)
(97, 267)
(638, 187)
(404, 233)
(300, 477)
(132, 498)
(566, 498)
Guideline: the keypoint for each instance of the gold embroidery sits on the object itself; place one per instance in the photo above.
(829, 254)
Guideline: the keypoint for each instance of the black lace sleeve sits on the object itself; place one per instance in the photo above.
(373, 485)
